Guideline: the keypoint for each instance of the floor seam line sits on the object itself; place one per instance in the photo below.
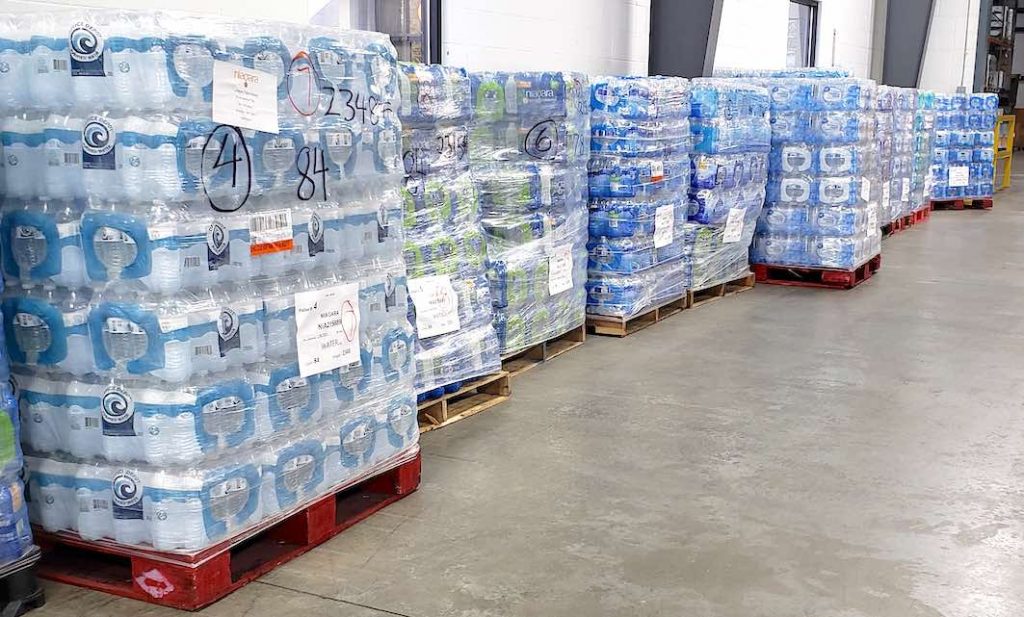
(323, 597)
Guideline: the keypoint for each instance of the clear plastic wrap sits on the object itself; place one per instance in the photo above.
(529, 145)
(639, 174)
(824, 188)
(963, 159)
(730, 169)
(885, 141)
(208, 322)
(921, 179)
(445, 245)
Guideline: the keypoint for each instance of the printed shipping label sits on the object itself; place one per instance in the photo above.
(327, 328)
(657, 171)
(734, 226)
(244, 97)
(906, 190)
(865, 190)
(270, 232)
(664, 221)
(437, 305)
(560, 269)
(959, 175)
(872, 222)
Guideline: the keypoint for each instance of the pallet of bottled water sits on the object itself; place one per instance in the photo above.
(529, 144)
(921, 178)
(963, 163)
(445, 246)
(15, 531)
(639, 175)
(202, 240)
(824, 185)
(731, 140)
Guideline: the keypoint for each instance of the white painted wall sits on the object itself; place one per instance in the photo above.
(753, 34)
(948, 60)
(844, 35)
(592, 36)
(296, 11)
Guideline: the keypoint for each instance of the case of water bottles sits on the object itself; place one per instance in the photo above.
(921, 180)
(445, 246)
(529, 144)
(639, 174)
(207, 302)
(732, 137)
(824, 186)
(15, 531)
(963, 160)
(885, 142)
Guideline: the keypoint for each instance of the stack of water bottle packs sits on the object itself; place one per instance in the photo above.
(904, 104)
(207, 322)
(639, 178)
(529, 144)
(731, 139)
(445, 249)
(824, 186)
(963, 158)
(885, 142)
(921, 179)
(15, 532)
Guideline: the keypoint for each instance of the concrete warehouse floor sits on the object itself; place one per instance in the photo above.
(779, 453)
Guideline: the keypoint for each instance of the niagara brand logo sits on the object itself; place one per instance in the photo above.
(246, 78)
(97, 136)
(85, 42)
(126, 489)
(217, 238)
(227, 324)
(540, 94)
(117, 405)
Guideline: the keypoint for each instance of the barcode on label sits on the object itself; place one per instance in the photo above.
(60, 64)
(72, 158)
(204, 350)
(272, 221)
(270, 232)
(88, 505)
(92, 422)
(192, 261)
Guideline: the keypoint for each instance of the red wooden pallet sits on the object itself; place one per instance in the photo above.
(922, 214)
(893, 228)
(193, 581)
(817, 277)
(962, 204)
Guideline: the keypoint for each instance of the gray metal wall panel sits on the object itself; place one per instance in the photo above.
(684, 34)
(906, 34)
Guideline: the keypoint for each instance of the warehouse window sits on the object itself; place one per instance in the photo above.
(803, 33)
(413, 25)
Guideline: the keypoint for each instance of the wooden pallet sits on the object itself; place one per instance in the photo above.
(962, 204)
(526, 359)
(922, 214)
(475, 396)
(192, 581)
(706, 295)
(610, 325)
(893, 228)
(817, 277)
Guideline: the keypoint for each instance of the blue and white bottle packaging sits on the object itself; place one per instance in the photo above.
(732, 137)
(446, 245)
(639, 176)
(964, 146)
(199, 313)
(529, 143)
(825, 171)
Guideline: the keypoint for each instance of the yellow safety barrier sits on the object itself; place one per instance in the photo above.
(1005, 126)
